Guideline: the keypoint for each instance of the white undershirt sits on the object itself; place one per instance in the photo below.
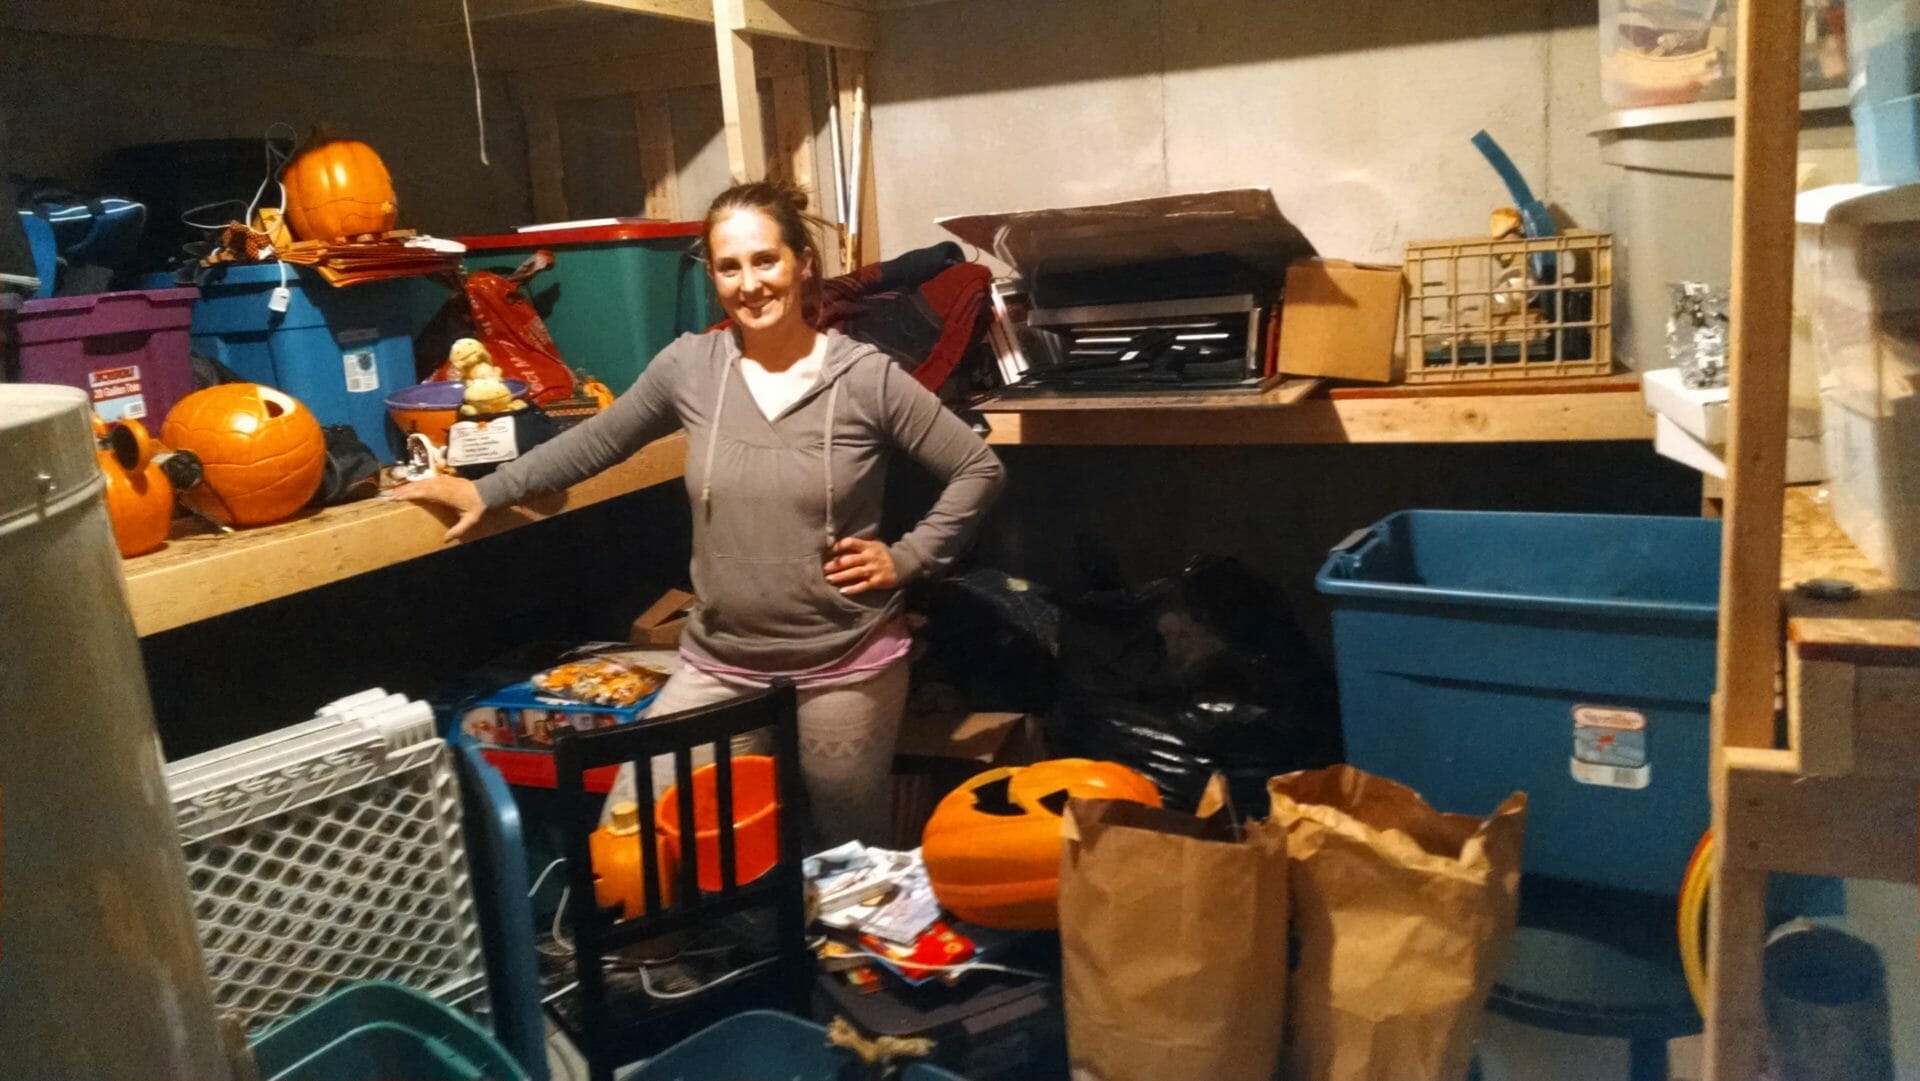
(773, 392)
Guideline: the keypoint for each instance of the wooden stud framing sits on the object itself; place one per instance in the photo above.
(1766, 143)
(544, 166)
(853, 100)
(1766, 138)
(658, 164)
(1820, 715)
(739, 92)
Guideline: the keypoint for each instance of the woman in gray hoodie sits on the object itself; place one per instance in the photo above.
(789, 435)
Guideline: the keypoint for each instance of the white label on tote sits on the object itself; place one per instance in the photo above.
(471, 442)
(1610, 747)
(116, 393)
(362, 370)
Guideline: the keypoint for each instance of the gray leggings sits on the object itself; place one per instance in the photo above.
(847, 735)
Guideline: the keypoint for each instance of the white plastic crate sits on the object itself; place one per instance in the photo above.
(327, 852)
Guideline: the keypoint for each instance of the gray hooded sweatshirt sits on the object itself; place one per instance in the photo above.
(770, 496)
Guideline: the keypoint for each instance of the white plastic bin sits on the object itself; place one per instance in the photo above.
(1857, 289)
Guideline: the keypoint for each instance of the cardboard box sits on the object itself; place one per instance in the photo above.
(1340, 320)
(660, 625)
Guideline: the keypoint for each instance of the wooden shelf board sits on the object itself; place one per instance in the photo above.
(199, 577)
(1574, 410)
(1283, 392)
(1852, 827)
(1881, 627)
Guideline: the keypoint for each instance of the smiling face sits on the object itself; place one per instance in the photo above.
(757, 275)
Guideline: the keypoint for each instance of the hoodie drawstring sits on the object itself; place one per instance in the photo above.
(826, 458)
(713, 440)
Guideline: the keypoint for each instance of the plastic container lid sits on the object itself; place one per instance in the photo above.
(586, 234)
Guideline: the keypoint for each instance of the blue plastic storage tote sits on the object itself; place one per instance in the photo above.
(1883, 88)
(763, 1043)
(1570, 656)
(340, 351)
(381, 1032)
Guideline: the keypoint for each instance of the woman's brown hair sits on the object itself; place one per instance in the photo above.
(784, 204)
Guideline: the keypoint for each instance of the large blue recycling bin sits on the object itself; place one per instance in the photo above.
(1569, 656)
(341, 351)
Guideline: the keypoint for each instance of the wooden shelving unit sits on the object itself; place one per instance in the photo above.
(559, 52)
(1841, 797)
(201, 576)
(1544, 411)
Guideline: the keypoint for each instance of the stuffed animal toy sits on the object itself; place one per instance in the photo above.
(486, 391)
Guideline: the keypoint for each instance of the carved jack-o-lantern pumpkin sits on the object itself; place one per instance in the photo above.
(992, 847)
(339, 189)
(139, 495)
(263, 452)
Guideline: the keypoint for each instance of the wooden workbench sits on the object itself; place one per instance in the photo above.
(200, 576)
(1301, 411)
(205, 575)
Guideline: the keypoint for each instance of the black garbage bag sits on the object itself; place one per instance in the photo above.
(1182, 677)
(991, 637)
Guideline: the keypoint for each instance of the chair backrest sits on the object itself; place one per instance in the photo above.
(677, 736)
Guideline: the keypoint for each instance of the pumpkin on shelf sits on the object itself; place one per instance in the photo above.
(992, 846)
(139, 495)
(338, 189)
(261, 450)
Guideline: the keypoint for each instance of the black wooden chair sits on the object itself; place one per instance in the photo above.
(614, 1021)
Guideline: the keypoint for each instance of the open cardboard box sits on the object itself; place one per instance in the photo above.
(660, 625)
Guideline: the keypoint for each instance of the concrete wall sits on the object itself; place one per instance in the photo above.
(1356, 114)
(69, 99)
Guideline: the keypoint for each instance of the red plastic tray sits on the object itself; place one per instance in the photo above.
(589, 234)
(534, 769)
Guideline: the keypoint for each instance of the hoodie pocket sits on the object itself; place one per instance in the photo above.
(779, 599)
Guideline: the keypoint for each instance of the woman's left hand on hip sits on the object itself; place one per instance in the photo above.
(857, 564)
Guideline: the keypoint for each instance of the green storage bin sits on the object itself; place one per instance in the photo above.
(376, 1031)
(617, 294)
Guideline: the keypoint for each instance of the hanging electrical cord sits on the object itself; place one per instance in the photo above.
(276, 160)
(473, 64)
(1692, 919)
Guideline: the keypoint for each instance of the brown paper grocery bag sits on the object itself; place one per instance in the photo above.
(1172, 935)
(1401, 915)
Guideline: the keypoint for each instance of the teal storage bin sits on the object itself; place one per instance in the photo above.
(1569, 656)
(340, 351)
(378, 1031)
(616, 294)
(764, 1043)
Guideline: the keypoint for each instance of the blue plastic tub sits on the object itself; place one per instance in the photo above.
(380, 1032)
(763, 1043)
(1883, 55)
(1570, 656)
(340, 351)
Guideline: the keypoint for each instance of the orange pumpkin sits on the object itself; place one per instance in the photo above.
(992, 847)
(339, 189)
(618, 878)
(139, 495)
(262, 451)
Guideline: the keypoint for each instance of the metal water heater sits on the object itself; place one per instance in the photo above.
(100, 968)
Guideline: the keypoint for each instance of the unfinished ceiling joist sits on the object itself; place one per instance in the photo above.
(818, 22)
(739, 92)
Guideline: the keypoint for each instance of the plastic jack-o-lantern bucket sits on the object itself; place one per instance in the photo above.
(262, 451)
(992, 846)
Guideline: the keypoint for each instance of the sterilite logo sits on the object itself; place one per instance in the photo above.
(107, 383)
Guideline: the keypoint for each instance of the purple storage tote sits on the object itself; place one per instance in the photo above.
(128, 350)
